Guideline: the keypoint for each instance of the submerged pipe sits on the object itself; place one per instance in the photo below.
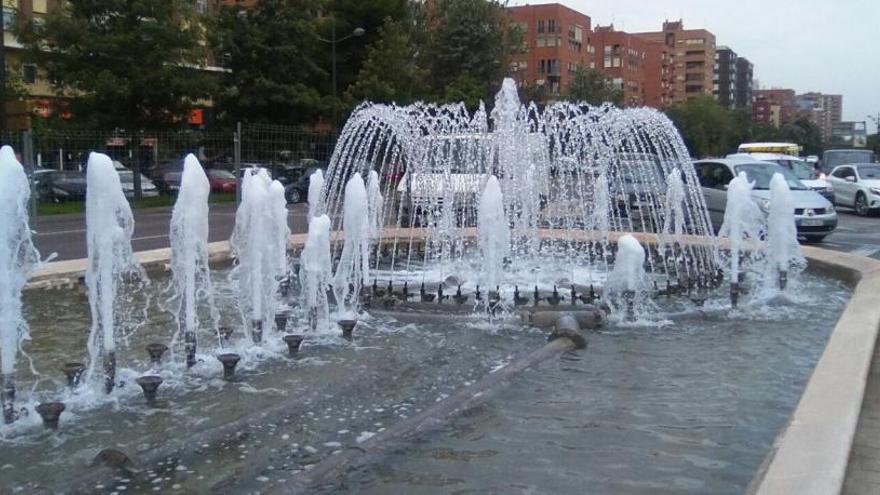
(109, 371)
(566, 337)
(7, 397)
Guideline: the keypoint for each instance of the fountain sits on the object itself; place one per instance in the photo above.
(626, 282)
(190, 275)
(316, 184)
(353, 265)
(17, 258)
(315, 271)
(783, 250)
(494, 234)
(259, 245)
(742, 223)
(109, 227)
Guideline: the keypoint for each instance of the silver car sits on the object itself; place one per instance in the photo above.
(814, 215)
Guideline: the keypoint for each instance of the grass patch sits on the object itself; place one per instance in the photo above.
(162, 200)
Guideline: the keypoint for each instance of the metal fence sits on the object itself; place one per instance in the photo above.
(278, 148)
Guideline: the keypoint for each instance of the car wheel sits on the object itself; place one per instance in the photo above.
(814, 238)
(861, 205)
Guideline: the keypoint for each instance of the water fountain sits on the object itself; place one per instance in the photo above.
(316, 185)
(315, 272)
(259, 245)
(17, 258)
(353, 265)
(494, 234)
(109, 227)
(191, 287)
(783, 250)
(742, 224)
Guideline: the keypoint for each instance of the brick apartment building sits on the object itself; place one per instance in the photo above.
(556, 39)
(774, 106)
(624, 58)
(692, 53)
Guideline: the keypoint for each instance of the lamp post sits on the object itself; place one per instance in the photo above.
(333, 41)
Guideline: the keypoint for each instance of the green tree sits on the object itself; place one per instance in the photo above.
(804, 133)
(131, 64)
(270, 51)
(468, 47)
(705, 126)
(391, 72)
(593, 87)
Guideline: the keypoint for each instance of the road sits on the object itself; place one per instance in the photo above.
(66, 234)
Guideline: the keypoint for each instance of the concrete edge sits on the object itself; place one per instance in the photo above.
(809, 456)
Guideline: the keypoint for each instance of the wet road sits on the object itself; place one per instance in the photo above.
(65, 234)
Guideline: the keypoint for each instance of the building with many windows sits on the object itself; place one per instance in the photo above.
(624, 58)
(556, 39)
(774, 106)
(724, 84)
(823, 110)
(692, 59)
(744, 84)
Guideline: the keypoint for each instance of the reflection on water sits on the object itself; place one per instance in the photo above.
(691, 407)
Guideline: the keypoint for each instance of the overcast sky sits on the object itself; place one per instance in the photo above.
(830, 46)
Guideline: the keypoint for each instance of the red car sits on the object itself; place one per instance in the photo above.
(221, 180)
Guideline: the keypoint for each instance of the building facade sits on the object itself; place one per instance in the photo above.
(556, 40)
(744, 84)
(692, 53)
(780, 102)
(823, 110)
(624, 58)
(724, 84)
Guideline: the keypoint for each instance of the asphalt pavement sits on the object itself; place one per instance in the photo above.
(66, 234)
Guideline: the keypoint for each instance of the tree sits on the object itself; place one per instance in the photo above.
(391, 73)
(593, 87)
(270, 51)
(468, 47)
(705, 126)
(804, 133)
(130, 64)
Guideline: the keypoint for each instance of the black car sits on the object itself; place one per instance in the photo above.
(297, 191)
(61, 185)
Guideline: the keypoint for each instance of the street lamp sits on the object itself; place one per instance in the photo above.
(333, 41)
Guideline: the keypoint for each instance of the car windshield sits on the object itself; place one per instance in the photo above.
(221, 174)
(801, 169)
(641, 168)
(70, 176)
(844, 157)
(761, 173)
(871, 172)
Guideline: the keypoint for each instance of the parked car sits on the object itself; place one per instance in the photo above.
(801, 169)
(298, 191)
(166, 176)
(857, 186)
(126, 176)
(641, 177)
(814, 215)
(40, 175)
(833, 158)
(221, 180)
(61, 185)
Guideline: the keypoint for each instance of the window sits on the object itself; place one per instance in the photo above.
(8, 17)
(694, 65)
(713, 175)
(540, 27)
(695, 41)
(551, 26)
(29, 73)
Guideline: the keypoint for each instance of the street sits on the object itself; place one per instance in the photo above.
(65, 234)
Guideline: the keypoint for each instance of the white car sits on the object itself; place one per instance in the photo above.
(806, 172)
(858, 186)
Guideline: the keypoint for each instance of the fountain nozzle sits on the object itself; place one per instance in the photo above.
(73, 372)
(50, 412)
(347, 327)
(230, 361)
(293, 342)
(257, 331)
(281, 321)
(783, 279)
(150, 385)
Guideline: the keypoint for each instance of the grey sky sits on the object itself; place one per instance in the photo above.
(808, 45)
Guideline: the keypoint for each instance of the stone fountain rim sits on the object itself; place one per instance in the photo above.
(811, 453)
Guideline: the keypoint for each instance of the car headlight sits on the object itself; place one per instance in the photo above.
(876, 191)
